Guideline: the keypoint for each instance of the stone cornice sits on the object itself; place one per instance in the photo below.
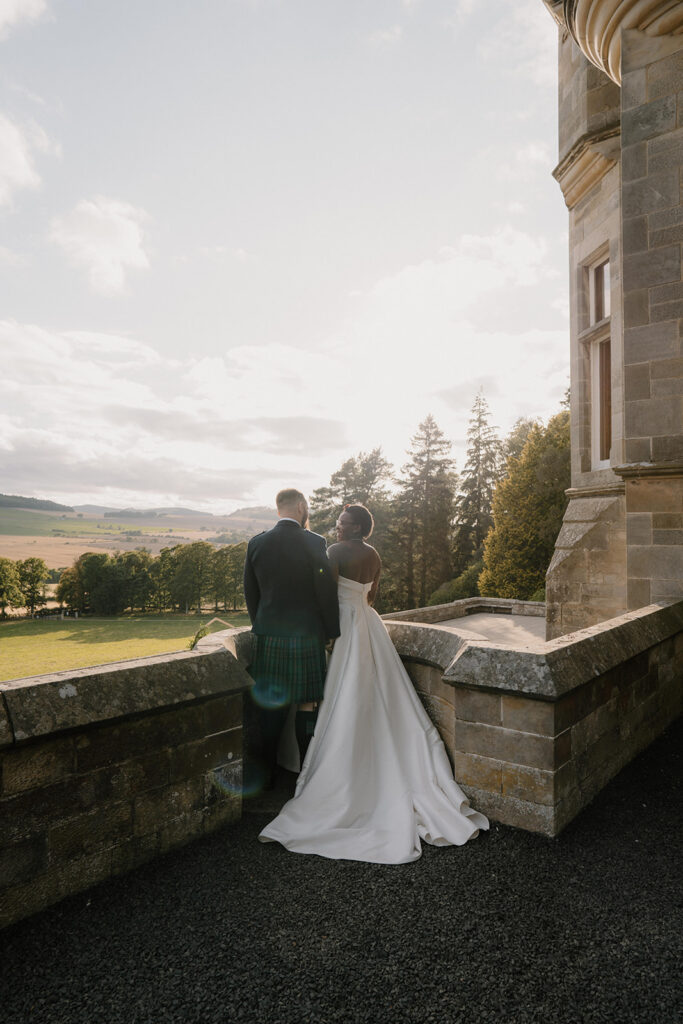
(586, 164)
(647, 469)
(597, 491)
(597, 25)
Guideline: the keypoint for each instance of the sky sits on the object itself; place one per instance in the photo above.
(244, 240)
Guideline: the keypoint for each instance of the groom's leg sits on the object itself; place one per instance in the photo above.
(304, 727)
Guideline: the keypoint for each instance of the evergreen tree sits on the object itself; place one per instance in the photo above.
(517, 438)
(420, 555)
(33, 574)
(473, 518)
(528, 507)
(10, 586)
(136, 576)
(360, 480)
(228, 575)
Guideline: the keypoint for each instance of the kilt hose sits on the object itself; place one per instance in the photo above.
(287, 670)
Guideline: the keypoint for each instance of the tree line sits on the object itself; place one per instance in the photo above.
(180, 578)
(442, 535)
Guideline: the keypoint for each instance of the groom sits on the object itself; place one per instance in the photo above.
(293, 606)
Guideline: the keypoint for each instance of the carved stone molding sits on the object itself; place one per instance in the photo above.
(585, 164)
(597, 25)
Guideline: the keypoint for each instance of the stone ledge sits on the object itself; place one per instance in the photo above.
(41, 705)
(467, 606)
(546, 669)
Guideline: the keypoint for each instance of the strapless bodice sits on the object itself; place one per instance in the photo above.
(352, 592)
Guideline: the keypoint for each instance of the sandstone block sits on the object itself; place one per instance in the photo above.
(647, 417)
(41, 764)
(638, 449)
(133, 852)
(648, 120)
(665, 76)
(655, 192)
(222, 714)
(646, 269)
(639, 528)
(113, 744)
(667, 449)
(478, 706)
(91, 832)
(654, 496)
(637, 313)
(663, 562)
(667, 292)
(634, 162)
(509, 745)
(509, 810)
(181, 830)
(206, 754)
(482, 772)
(529, 715)
(154, 809)
(22, 861)
(531, 784)
(634, 89)
(654, 341)
(638, 593)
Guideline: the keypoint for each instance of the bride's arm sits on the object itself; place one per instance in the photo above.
(372, 594)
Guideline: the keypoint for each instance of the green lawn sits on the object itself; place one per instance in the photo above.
(35, 646)
(19, 522)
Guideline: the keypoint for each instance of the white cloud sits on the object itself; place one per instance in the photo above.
(234, 427)
(18, 144)
(387, 38)
(104, 237)
(525, 39)
(9, 258)
(12, 12)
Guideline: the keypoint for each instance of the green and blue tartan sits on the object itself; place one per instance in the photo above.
(287, 670)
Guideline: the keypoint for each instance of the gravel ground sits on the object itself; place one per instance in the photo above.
(511, 928)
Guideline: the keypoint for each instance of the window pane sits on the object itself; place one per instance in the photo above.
(605, 375)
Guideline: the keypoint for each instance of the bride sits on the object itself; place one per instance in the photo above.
(376, 778)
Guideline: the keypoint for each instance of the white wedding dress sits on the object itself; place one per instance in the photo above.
(376, 778)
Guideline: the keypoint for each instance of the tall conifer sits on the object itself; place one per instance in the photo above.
(473, 518)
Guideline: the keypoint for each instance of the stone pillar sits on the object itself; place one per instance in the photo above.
(652, 232)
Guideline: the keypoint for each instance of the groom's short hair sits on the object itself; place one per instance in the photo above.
(288, 498)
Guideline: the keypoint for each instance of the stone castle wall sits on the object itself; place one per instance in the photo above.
(102, 769)
(621, 544)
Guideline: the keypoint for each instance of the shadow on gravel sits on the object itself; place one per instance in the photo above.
(511, 928)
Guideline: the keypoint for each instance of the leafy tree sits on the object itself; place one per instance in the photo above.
(33, 574)
(528, 507)
(465, 585)
(228, 575)
(136, 578)
(193, 574)
(10, 586)
(161, 573)
(473, 518)
(70, 589)
(420, 554)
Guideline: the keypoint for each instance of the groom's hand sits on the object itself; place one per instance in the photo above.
(329, 645)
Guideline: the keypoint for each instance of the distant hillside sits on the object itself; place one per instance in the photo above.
(17, 501)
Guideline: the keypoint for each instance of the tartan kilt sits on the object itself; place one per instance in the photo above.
(287, 670)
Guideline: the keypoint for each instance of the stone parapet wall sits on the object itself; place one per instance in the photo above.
(468, 606)
(102, 769)
(535, 733)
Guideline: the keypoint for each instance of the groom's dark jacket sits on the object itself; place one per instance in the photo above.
(288, 584)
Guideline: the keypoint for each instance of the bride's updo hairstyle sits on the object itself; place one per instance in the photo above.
(361, 517)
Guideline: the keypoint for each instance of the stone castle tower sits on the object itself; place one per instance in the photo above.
(620, 149)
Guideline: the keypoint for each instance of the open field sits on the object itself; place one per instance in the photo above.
(60, 538)
(36, 646)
